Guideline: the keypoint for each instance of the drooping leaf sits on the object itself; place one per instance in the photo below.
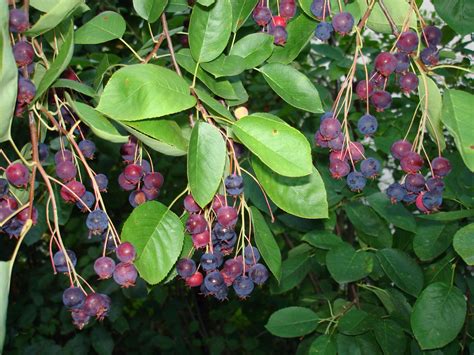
(209, 30)
(281, 147)
(292, 86)
(206, 162)
(57, 14)
(241, 9)
(157, 235)
(457, 117)
(292, 322)
(106, 26)
(396, 214)
(149, 10)
(8, 76)
(143, 91)
(346, 264)
(254, 48)
(303, 196)
(59, 64)
(458, 14)
(266, 243)
(463, 243)
(438, 315)
(402, 270)
(431, 103)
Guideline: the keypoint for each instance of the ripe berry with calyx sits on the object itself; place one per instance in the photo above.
(125, 274)
(408, 82)
(403, 62)
(408, 41)
(23, 53)
(432, 35)
(440, 166)
(73, 297)
(381, 100)
(97, 221)
(262, 15)
(343, 22)
(412, 162)
(234, 184)
(396, 192)
(386, 63)
(196, 223)
(339, 168)
(356, 181)
(243, 286)
(364, 89)
(17, 174)
(18, 21)
(400, 149)
(60, 263)
(72, 191)
(429, 56)
(320, 8)
(104, 267)
(414, 182)
(323, 31)
(367, 125)
(126, 252)
(370, 168)
(87, 148)
(227, 216)
(279, 35)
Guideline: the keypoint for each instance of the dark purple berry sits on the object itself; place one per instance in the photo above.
(262, 15)
(86, 202)
(221, 294)
(396, 192)
(408, 41)
(323, 31)
(133, 173)
(18, 21)
(97, 221)
(378, 80)
(356, 181)
(326, 115)
(364, 89)
(214, 281)
(319, 140)
(432, 200)
(232, 268)
(87, 148)
(227, 216)
(26, 91)
(400, 149)
(432, 35)
(150, 194)
(3, 187)
(336, 143)
(60, 262)
(66, 171)
(435, 185)
(104, 267)
(126, 252)
(62, 156)
(72, 191)
(410, 197)
(234, 184)
(43, 152)
(251, 255)
(403, 62)
(209, 262)
(320, 8)
(287, 8)
(339, 168)
(385, 63)
(411, 163)
(408, 82)
(243, 286)
(96, 305)
(343, 22)
(381, 100)
(73, 297)
(125, 184)
(128, 151)
(440, 167)
(17, 174)
(125, 274)
(102, 182)
(279, 35)
(429, 56)
(414, 182)
(220, 232)
(153, 180)
(196, 223)
(191, 205)
(370, 168)
(23, 53)
(330, 128)
(259, 274)
(367, 125)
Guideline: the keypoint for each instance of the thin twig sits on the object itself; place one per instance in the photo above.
(392, 24)
(155, 49)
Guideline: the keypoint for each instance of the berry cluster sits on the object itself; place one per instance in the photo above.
(342, 22)
(138, 176)
(425, 192)
(275, 25)
(213, 229)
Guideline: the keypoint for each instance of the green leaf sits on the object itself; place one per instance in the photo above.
(76, 86)
(394, 213)
(369, 225)
(303, 196)
(104, 27)
(101, 340)
(206, 162)
(323, 345)
(355, 322)
(300, 31)
(292, 322)
(322, 239)
(402, 270)
(149, 10)
(281, 147)
(448, 216)
(144, 91)
(438, 315)
(166, 132)
(100, 125)
(457, 117)
(357, 345)
(157, 235)
(213, 104)
(59, 64)
(5, 275)
(398, 10)
(209, 30)
(293, 270)
(57, 14)
(464, 243)
(221, 87)
(224, 65)
(432, 238)
(254, 48)
(241, 9)
(8, 77)
(266, 243)
(435, 105)
(346, 264)
(458, 14)
(390, 337)
(292, 86)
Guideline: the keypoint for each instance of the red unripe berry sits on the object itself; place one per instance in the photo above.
(278, 21)
(194, 280)
(356, 151)
(364, 89)
(412, 162)
(227, 216)
(386, 63)
(133, 173)
(17, 174)
(200, 240)
(126, 252)
(72, 190)
(400, 149)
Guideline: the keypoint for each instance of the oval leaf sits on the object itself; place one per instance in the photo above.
(458, 14)
(254, 48)
(144, 91)
(149, 10)
(206, 162)
(402, 270)
(281, 147)
(292, 86)
(266, 243)
(157, 235)
(224, 65)
(346, 264)
(464, 243)
(209, 30)
(303, 196)
(394, 213)
(323, 345)
(438, 315)
(104, 27)
(292, 322)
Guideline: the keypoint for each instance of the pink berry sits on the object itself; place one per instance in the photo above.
(364, 89)
(400, 149)
(125, 274)
(104, 267)
(412, 162)
(408, 82)
(385, 63)
(72, 190)
(381, 100)
(408, 41)
(339, 168)
(330, 128)
(356, 151)
(133, 173)
(194, 280)
(126, 252)
(227, 216)
(441, 167)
